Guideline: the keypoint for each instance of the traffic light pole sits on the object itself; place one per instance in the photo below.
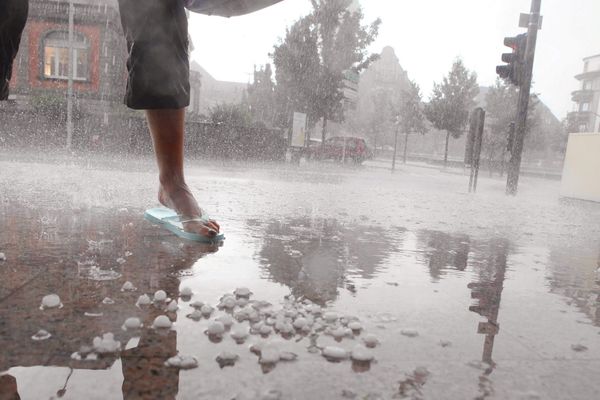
(514, 167)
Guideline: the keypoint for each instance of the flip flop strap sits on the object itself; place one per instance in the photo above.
(183, 219)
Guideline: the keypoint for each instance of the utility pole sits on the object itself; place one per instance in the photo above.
(397, 123)
(70, 82)
(514, 167)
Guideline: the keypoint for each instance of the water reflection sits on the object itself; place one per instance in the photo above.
(487, 263)
(85, 258)
(316, 257)
(576, 277)
(443, 252)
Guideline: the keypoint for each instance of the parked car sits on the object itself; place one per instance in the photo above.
(345, 148)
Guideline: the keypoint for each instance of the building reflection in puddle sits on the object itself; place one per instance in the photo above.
(85, 259)
(315, 257)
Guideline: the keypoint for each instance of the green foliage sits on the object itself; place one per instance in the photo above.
(49, 104)
(544, 133)
(310, 62)
(411, 115)
(453, 99)
(296, 61)
(235, 115)
(261, 96)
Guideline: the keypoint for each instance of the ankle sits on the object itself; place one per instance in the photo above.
(172, 181)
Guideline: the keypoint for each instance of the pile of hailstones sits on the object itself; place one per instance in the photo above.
(239, 317)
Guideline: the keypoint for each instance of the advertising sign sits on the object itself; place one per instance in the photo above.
(299, 130)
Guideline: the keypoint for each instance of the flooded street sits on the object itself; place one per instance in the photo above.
(469, 296)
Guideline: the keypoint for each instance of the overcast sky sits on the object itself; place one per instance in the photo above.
(427, 36)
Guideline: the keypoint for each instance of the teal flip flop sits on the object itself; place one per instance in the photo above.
(169, 219)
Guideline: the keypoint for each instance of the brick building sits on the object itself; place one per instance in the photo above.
(41, 68)
(40, 77)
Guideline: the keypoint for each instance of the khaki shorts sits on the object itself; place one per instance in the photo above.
(158, 60)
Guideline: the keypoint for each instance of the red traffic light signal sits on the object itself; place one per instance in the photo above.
(513, 70)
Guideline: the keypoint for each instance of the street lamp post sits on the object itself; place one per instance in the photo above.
(70, 81)
(397, 123)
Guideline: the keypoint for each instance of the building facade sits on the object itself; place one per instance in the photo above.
(214, 91)
(586, 115)
(41, 68)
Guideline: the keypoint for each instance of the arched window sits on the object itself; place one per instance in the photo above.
(56, 56)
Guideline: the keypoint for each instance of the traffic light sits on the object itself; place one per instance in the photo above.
(514, 69)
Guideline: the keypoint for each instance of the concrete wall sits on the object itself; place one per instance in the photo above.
(581, 173)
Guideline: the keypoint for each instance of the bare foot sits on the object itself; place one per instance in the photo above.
(180, 198)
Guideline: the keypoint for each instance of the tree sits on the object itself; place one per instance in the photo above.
(544, 133)
(234, 115)
(261, 96)
(501, 107)
(411, 117)
(317, 51)
(451, 101)
(296, 61)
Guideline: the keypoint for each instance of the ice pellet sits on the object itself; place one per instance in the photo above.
(182, 362)
(228, 303)
(93, 314)
(2, 257)
(227, 359)
(226, 320)
(300, 323)
(330, 317)
(355, 326)
(196, 315)
(370, 340)
(265, 330)
(186, 291)
(269, 354)
(409, 333)
(172, 307)
(340, 332)
(162, 322)
(335, 353)
(106, 344)
(160, 295)
(239, 332)
(197, 304)
(216, 328)
(132, 323)
(108, 301)
(41, 335)
(143, 300)
(361, 353)
(128, 287)
(206, 310)
(287, 356)
(51, 301)
(242, 292)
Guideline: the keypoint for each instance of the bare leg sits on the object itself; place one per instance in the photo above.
(167, 129)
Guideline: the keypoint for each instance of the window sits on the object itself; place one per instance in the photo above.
(56, 56)
(585, 107)
(587, 85)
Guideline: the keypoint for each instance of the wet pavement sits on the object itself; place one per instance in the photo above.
(470, 296)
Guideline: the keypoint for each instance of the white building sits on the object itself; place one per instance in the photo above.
(586, 116)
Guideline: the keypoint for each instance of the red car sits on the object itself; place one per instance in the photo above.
(345, 148)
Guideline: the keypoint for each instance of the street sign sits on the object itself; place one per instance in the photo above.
(525, 19)
(299, 130)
